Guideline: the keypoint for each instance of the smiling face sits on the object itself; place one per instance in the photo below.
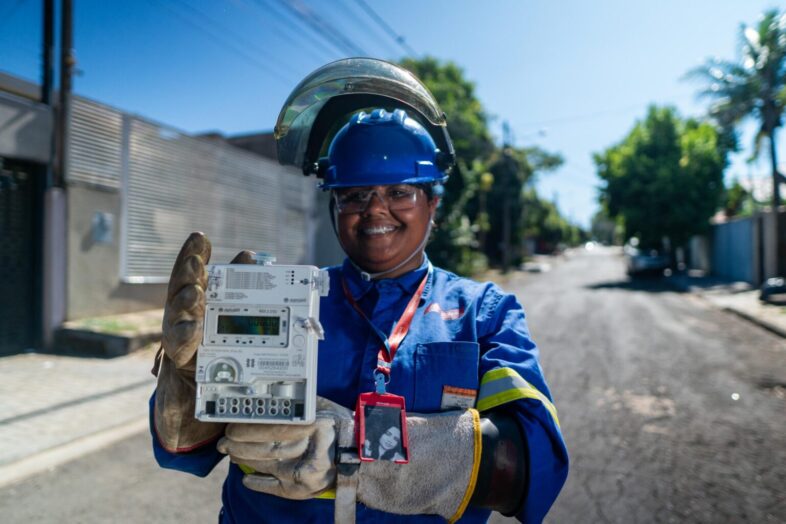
(390, 438)
(378, 239)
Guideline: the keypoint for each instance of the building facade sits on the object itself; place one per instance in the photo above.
(133, 190)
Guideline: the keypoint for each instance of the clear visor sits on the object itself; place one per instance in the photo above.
(358, 76)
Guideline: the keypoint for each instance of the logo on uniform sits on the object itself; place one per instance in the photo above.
(450, 314)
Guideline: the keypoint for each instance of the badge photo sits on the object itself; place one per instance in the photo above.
(381, 423)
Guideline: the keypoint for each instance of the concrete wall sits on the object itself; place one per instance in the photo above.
(327, 250)
(772, 266)
(94, 285)
(25, 129)
(700, 253)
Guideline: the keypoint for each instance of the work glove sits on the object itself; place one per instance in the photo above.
(300, 462)
(288, 460)
(184, 313)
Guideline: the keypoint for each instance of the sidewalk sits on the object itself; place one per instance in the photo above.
(738, 298)
(57, 408)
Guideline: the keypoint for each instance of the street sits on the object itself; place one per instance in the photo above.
(673, 411)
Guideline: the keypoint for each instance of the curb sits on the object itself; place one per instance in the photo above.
(772, 328)
(682, 287)
(53, 457)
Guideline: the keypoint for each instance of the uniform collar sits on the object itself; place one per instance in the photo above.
(407, 283)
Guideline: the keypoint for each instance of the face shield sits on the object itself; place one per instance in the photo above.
(323, 102)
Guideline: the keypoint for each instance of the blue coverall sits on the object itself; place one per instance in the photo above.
(464, 335)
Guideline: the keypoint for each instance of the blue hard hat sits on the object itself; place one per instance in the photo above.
(381, 148)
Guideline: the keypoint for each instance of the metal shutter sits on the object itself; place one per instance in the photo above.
(177, 184)
(95, 144)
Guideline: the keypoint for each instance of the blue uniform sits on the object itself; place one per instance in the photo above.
(468, 342)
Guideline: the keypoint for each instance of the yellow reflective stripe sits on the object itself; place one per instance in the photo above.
(502, 385)
(327, 494)
(473, 478)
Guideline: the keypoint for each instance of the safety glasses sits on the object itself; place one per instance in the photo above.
(397, 197)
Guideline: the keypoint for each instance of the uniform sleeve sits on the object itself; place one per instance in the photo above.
(511, 379)
(200, 461)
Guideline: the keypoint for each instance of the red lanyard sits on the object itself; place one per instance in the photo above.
(390, 345)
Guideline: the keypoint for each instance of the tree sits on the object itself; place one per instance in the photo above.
(544, 224)
(487, 183)
(454, 244)
(665, 179)
(512, 216)
(754, 87)
(737, 200)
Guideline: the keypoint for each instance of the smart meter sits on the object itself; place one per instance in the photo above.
(258, 359)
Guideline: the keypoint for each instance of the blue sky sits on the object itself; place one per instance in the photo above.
(569, 76)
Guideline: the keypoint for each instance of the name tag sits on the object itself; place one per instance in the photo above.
(457, 398)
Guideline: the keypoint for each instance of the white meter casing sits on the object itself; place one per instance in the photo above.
(258, 359)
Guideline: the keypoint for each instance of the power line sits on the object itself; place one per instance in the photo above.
(256, 8)
(360, 21)
(223, 42)
(245, 42)
(288, 19)
(323, 28)
(384, 25)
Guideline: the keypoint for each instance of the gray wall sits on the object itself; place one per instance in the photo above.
(94, 286)
(152, 185)
(25, 129)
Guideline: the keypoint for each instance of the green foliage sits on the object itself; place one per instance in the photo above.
(606, 229)
(753, 87)
(453, 244)
(508, 207)
(544, 223)
(486, 181)
(467, 121)
(664, 179)
(738, 200)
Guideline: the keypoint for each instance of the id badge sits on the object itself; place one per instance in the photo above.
(381, 428)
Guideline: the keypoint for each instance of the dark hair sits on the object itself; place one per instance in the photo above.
(433, 189)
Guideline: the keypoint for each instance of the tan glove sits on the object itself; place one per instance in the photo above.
(290, 461)
(184, 313)
(298, 462)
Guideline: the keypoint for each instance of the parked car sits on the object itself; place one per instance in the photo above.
(774, 291)
(645, 262)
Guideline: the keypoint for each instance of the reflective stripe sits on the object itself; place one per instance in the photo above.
(473, 478)
(327, 494)
(502, 385)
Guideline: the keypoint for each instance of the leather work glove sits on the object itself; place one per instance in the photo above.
(300, 462)
(184, 313)
(287, 460)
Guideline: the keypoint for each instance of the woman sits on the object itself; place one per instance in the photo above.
(482, 432)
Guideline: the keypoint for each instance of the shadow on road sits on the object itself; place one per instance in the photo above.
(650, 284)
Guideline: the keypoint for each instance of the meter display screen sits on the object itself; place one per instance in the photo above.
(246, 325)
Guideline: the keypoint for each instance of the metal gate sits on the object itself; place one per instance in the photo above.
(19, 256)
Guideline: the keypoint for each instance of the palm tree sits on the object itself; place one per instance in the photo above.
(754, 87)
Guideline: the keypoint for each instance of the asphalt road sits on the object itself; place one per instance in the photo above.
(672, 411)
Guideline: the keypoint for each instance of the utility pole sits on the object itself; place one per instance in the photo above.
(47, 81)
(55, 201)
(67, 62)
(507, 138)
